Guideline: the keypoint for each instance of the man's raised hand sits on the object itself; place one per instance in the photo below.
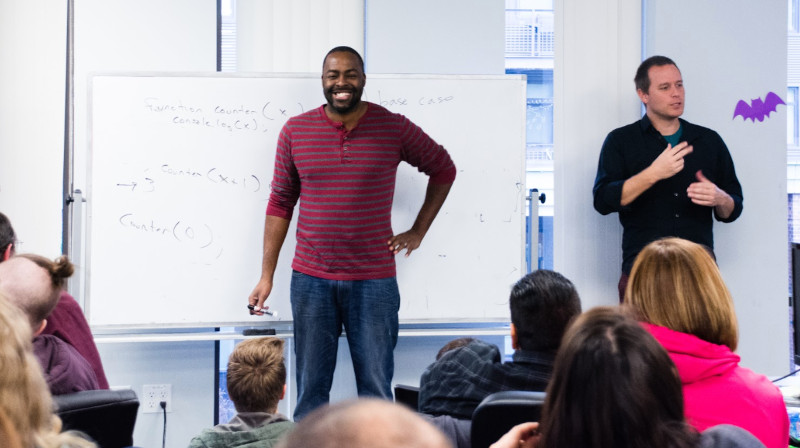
(670, 161)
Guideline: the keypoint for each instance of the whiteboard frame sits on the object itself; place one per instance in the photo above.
(261, 321)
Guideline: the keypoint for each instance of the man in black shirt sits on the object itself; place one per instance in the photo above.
(664, 175)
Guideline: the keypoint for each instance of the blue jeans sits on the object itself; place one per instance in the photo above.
(368, 311)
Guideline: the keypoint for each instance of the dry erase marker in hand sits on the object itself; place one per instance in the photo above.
(271, 313)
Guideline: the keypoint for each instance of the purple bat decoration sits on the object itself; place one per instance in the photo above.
(758, 109)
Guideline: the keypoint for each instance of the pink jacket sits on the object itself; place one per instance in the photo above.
(717, 390)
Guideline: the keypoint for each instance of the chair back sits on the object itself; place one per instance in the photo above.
(107, 416)
(501, 411)
(407, 395)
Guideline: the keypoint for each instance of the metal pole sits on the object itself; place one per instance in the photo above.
(532, 237)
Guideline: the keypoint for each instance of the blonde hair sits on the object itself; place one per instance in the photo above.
(24, 397)
(676, 284)
(256, 375)
(9, 437)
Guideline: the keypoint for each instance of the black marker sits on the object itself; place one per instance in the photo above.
(271, 313)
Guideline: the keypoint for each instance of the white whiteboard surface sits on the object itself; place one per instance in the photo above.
(179, 176)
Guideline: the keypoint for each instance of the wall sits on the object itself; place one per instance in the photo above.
(728, 66)
(598, 47)
(32, 93)
(293, 36)
(597, 52)
(149, 35)
(413, 35)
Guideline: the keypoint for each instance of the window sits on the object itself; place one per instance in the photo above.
(529, 51)
(792, 140)
(227, 36)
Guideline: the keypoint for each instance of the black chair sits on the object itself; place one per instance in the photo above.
(501, 411)
(107, 416)
(407, 395)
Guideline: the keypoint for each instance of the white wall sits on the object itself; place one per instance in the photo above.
(598, 47)
(148, 35)
(718, 70)
(416, 36)
(32, 98)
(294, 36)
(597, 52)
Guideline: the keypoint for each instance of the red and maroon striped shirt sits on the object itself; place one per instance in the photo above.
(345, 182)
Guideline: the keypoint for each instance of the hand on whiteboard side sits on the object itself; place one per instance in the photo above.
(408, 241)
(259, 296)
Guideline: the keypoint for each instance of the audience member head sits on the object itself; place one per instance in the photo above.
(642, 78)
(24, 396)
(613, 386)
(452, 345)
(542, 305)
(34, 284)
(364, 423)
(257, 375)
(676, 284)
(8, 239)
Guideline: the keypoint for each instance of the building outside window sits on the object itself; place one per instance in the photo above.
(529, 50)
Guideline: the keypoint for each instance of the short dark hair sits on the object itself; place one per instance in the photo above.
(256, 375)
(642, 78)
(452, 345)
(7, 235)
(543, 303)
(345, 49)
(613, 384)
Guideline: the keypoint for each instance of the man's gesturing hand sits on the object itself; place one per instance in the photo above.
(670, 161)
(704, 192)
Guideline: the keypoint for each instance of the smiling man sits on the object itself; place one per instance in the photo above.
(340, 161)
(664, 175)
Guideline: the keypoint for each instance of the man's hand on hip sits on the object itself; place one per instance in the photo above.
(409, 241)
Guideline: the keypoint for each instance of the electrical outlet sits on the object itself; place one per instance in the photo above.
(153, 395)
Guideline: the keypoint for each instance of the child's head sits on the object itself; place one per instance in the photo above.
(257, 375)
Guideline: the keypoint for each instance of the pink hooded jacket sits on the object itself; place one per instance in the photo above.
(717, 390)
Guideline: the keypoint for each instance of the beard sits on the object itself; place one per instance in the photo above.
(347, 106)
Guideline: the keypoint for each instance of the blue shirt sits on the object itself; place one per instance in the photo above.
(664, 209)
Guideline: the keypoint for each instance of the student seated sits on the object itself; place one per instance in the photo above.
(615, 386)
(256, 383)
(34, 283)
(67, 321)
(676, 288)
(25, 403)
(364, 423)
(542, 305)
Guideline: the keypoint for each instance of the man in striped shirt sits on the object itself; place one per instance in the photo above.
(340, 160)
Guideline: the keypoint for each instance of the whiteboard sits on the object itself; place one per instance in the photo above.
(179, 174)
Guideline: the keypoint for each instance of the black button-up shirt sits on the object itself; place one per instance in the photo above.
(664, 209)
